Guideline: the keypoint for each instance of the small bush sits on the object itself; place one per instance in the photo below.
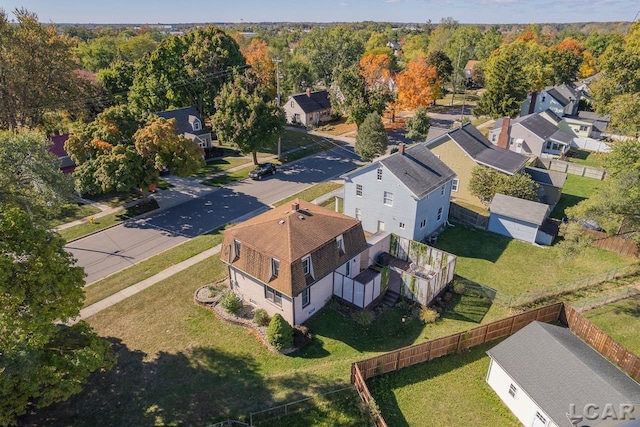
(301, 336)
(260, 317)
(280, 333)
(363, 317)
(230, 302)
(333, 304)
(429, 315)
(458, 288)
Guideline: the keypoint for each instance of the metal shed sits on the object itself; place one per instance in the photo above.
(520, 219)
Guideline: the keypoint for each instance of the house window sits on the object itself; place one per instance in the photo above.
(359, 190)
(543, 98)
(306, 265)
(423, 223)
(493, 137)
(347, 268)
(402, 225)
(306, 297)
(454, 184)
(340, 244)
(236, 247)
(542, 419)
(388, 198)
(379, 174)
(380, 225)
(439, 214)
(512, 390)
(291, 104)
(273, 296)
(511, 141)
(359, 214)
(275, 267)
(583, 128)
(442, 190)
(196, 125)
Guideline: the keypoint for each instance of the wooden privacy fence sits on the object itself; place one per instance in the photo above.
(614, 243)
(572, 168)
(611, 349)
(465, 216)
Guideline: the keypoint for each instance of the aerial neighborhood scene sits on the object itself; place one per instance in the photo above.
(381, 213)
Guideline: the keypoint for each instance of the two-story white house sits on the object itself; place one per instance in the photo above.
(406, 193)
(562, 100)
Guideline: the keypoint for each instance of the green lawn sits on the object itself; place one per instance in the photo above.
(449, 391)
(588, 158)
(621, 320)
(219, 165)
(115, 199)
(72, 212)
(227, 178)
(311, 193)
(331, 204)
(101, 223)
(513, 267)
(291, 140)
(576, 188)
(179, 365)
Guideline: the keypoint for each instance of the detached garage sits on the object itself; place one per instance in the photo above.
(521, 219)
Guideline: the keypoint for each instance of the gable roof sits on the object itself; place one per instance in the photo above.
(537, 125)
(184, 120)
(520, 209)
(470, 64)
(482, 151)
(547, 177)
(313, 101)
(556, 369)
(563, 93)
(289, 235)
(600, 123)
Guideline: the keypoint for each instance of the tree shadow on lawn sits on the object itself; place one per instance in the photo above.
(472, 306)
(469, 242)
(203, 386)
(382, 387)
(566, 201)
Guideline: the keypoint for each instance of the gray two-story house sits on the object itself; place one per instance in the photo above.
(406, 193)
(562, 100)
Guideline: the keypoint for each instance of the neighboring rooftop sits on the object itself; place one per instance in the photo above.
(185, 118)
(600, 123)
(521, 209)
(482, 151)
(536, 124)
(563, 93)
(556, 369)
(313, 101)
(546, 176)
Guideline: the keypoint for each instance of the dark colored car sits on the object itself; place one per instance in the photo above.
(263, 169)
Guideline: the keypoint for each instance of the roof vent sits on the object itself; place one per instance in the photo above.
(281, 222)
(301, 217)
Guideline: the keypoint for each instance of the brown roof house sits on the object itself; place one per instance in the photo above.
(287, 259)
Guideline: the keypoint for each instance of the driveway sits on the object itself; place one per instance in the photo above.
(116, 248)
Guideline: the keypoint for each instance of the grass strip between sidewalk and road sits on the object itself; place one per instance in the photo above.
(311, 193)
(86, 228)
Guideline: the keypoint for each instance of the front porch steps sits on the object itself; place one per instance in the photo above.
(390, 298)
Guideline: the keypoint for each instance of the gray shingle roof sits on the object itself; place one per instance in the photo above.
(599, 122)
(563, 93)
(184, 119)
(419, 169)
(521, 209)
(537, 124)
(316, 101)
(561, 136)
(547, 177)
(481, 150)
(556, 369)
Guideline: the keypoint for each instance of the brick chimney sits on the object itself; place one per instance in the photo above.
(503, 138)
(295, 206)
(532, 104)
(401, 148)
(309, 92)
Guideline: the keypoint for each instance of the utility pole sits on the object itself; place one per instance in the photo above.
(455, 75)
(278, 61)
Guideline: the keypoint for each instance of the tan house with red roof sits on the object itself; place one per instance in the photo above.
(287, 259)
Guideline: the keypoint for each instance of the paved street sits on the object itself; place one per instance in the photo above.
(109, 251)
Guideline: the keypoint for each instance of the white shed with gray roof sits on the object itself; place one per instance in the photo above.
(547, 377)
(520, 219)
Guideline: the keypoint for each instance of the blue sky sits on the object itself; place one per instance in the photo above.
(465, 11)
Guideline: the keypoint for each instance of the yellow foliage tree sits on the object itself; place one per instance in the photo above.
(418, 85)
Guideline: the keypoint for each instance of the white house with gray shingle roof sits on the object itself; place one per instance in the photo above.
(308, 108)
(562, 99)
(406, 193)
(548, 377)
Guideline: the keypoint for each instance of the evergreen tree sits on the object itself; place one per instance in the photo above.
(418, 125)
(372, 139)
(280, 332)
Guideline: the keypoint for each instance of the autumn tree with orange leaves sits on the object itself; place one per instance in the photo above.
(375, 68)
(256, 55)
(566, 58)
(418, 85)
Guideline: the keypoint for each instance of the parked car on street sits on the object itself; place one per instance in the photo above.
(263, 169)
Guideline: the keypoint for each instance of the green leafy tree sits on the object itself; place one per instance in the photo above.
(42, 361)
(486, 182)
(491, 40)
(280, 333)
(418, 125)
(415, 45)
(37, 71)
(29, 174)
(186, 70)
(98, 53)
(372, 139)
(245, 119)
(505, 85)
(442, 63)
(117, 80)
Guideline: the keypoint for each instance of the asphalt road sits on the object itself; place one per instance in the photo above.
(116, 248)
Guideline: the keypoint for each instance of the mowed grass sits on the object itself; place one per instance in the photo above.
(621, 320)
(147, 268)
(72, 212)
(229, 177)
(311, 193)
(588, 158)
(513, 267)
(448, 391)
(179, 365)
(101, 223)
(576, 189)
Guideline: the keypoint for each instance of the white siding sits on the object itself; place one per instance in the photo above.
(252, 291)
(319, 294)
(511, 227)
(522, 406)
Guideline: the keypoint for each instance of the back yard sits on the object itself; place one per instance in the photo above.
(576, 188)
(621, 320)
